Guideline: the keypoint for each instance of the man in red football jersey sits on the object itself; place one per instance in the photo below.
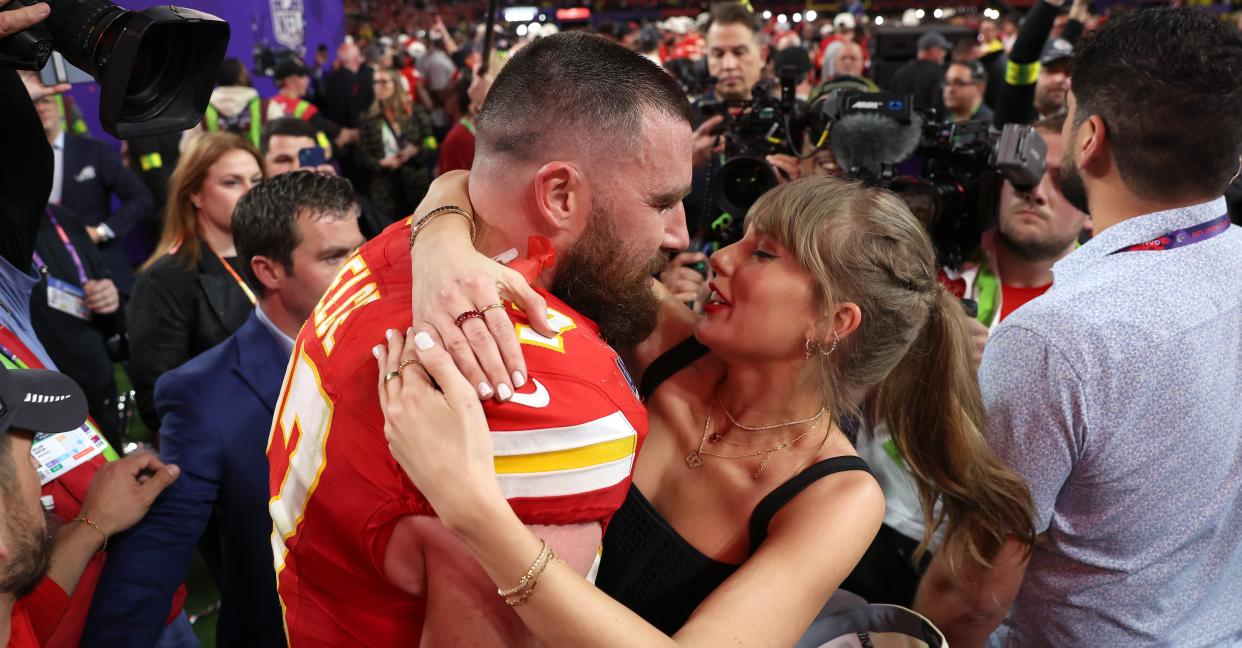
(583, 159)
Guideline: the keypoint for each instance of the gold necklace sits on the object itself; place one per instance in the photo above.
(717, 437)
(695, 457)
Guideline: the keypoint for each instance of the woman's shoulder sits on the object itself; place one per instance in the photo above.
(168, 270)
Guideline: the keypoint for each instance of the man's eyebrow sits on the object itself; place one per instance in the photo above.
(672, 196)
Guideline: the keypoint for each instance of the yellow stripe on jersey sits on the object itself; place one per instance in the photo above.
(567, 459)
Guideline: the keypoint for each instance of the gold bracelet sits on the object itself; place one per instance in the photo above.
(83, 518)
(530, 573)
(531, 589)
(447, 209)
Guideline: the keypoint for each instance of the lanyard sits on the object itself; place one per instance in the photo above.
(241, 283)
(13, 360)
(1182, 237)
(469, 124)
(73, 251)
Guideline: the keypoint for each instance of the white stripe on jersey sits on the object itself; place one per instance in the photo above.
(566, 482)
(523, 442)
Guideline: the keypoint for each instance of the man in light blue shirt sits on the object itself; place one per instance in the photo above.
(1117, 395)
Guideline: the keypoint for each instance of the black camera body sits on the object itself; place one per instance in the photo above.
(766, 125)
(953, 170)
(156, 68)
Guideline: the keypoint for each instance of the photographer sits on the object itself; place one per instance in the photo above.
(1035, 228)
(735, 58)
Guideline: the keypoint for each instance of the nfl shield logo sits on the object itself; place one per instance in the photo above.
(288, 23)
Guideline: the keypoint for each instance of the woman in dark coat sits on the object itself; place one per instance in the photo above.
(395, 147)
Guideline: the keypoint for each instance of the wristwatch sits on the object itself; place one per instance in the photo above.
(104, 232)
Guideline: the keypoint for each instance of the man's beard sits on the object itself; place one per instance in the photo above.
(613, 291)
(30, 551)
(1034, 249)
(1072, 186)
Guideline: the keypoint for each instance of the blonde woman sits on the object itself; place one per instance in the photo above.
(395, 144)
(749, 505)
(192, 292)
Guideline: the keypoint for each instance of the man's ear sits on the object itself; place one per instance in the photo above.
(269, 272)
(1093, 145)
(561, 197)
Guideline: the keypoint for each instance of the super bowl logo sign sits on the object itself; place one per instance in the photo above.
(288, 23)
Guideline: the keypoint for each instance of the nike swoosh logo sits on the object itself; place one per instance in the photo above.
(537, 399)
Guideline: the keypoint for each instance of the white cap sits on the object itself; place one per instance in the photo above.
(843, 22)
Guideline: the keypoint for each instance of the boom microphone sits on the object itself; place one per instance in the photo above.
(865, 143)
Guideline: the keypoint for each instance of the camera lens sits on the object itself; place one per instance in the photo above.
(742, 180)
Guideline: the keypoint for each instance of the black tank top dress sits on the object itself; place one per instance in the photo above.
(647, 565)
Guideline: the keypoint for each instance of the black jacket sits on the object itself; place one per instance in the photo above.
(77, 346)
(92, 175)
(175, 313)
(922, 79)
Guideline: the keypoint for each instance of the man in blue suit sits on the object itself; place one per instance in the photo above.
(87, 174)
(294, 231)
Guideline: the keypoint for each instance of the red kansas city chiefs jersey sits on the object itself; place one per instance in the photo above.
(565, 448)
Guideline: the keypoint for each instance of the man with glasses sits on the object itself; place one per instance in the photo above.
(964, 82)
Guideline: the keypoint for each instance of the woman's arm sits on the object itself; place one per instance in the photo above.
(160, 324)
(442, 441)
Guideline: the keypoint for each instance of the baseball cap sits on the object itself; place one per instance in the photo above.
(843, 22)
(934, 39)
(40, 401)
(1056, 49)
(288, 68)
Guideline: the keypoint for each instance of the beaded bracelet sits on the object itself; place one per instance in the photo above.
(83, 518)
(447, 209)
(530, 573)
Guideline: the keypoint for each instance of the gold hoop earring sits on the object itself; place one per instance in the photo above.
(812, 346)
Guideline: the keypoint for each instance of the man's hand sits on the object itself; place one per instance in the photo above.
(124, 490)
(788, 168)
(16, 20)
(707, 142)
(102, 297)
(979, 338)
(683, 280)
(93, 232)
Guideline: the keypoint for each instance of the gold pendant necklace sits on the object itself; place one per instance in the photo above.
(694, 458)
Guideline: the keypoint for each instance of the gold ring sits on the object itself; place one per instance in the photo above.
(390, 375)
(491, 306)
(406, 363)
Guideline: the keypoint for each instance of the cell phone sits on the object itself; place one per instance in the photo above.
(58, 70)
(311, 156)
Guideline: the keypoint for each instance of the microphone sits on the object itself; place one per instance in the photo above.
(864, 143)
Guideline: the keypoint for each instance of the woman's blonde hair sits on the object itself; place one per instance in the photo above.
(181, 236)
(862, 245)
(396, 105)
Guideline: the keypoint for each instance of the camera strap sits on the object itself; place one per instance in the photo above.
(1182, 237)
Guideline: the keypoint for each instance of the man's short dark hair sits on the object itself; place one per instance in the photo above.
(286, 126)
(574, 82)
(263, 220)
(977, 72)
(231, 72)
(732, 13)
(1166, 83)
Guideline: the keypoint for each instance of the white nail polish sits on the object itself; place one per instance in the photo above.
(485, 390)
(388, 334)
(518, 379)
(375, 351)
(423, 341)
(503, 392)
